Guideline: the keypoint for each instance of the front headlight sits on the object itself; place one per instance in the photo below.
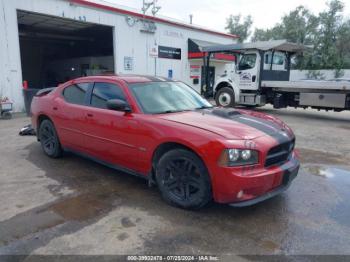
(239, 157)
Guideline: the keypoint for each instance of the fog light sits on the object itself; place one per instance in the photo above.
(240, 194)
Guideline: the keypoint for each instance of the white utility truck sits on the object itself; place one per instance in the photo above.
(261, 76)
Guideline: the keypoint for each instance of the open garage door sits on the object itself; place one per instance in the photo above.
(55, 49)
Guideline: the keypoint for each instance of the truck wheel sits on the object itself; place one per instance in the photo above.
(183, 179)
(49, 139)
(225, 97)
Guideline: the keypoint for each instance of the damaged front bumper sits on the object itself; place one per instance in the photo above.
(288, 176)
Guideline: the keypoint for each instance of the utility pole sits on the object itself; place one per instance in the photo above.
(147, 5)
(155, 9)
(191, 19)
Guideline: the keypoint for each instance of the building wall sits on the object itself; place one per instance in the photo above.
(10, 69)
(129, 41)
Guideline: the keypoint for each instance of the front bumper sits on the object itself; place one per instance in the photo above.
(288, 176)
(244, 186)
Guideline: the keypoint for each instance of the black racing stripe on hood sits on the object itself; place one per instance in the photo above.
(265, 126)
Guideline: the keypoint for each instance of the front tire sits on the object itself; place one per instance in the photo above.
(49, 139)
(225, 97)
(183, 179)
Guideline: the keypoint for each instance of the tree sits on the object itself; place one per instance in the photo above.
(298, 26)
(274, 33)
(242, 29)
(343, 43)
(331, 20)
(327, 33)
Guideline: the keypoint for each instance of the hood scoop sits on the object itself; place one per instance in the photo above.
(222, 112)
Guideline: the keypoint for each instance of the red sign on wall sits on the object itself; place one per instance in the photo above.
(195, 71)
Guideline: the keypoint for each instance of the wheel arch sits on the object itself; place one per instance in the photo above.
(41, 118)
(168, 146)
(223, 84)
(164, 147)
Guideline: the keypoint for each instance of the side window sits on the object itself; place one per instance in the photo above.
(247, 62)
(103, 92)
(278, 59)
(75, 94)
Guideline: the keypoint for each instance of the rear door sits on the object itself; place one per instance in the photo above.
(111, 135)
(70, 110)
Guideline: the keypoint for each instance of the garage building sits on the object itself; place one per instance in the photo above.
(47, 42)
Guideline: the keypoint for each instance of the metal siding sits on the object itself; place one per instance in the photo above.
(2, 48)
(129, 41)
(10, 63)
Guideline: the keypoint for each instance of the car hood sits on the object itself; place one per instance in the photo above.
(232, 124)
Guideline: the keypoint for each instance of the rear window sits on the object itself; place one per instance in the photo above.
(75, 94)
(278, 59)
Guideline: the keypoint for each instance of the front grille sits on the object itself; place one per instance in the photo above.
(279, 154)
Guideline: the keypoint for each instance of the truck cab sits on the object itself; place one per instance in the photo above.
(253, 67)
(262, 76)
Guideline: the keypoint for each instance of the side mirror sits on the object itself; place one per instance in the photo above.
(118, 105)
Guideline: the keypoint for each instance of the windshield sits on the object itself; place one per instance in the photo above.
(247, 62)
(167, 97)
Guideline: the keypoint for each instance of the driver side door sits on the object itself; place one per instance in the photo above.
(111, 136)
(248, 71)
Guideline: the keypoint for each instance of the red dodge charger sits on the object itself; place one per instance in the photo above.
(164, 131)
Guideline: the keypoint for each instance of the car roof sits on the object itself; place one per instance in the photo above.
(127, 78)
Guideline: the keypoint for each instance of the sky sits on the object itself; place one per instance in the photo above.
(213, 13)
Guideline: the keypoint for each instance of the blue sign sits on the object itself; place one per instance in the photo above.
(170, 73)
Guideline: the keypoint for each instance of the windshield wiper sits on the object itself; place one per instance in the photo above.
(173, 111)
(183, 110)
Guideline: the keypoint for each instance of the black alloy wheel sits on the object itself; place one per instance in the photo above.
(183, 179)
(49, 139)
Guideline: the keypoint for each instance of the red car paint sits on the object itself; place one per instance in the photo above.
(129, 140)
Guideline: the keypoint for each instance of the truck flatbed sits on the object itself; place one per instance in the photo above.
(307, 86)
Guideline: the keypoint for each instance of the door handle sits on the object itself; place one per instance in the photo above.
(90, 115)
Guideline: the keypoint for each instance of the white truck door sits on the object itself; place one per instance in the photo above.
(248, 71)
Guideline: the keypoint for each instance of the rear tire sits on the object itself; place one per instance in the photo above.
(183, 179)
(225, 97)
(49, 139)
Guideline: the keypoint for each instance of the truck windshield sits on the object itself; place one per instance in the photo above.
(247, 62)
(167, 97)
